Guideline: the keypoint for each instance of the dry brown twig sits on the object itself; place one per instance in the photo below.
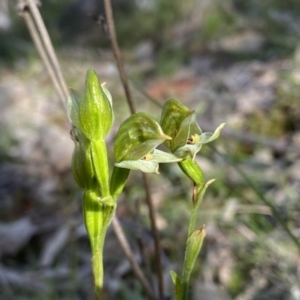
(117, 54)
(28, 9)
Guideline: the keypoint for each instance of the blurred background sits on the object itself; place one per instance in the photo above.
(233, 61)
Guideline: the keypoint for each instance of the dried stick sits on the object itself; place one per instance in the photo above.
(154, 230)
(117, 54)
(24, 11)
(48, 45)
(130, 256)
(37, 42)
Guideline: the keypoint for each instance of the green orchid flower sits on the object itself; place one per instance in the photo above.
(136, 142)
(187, 137)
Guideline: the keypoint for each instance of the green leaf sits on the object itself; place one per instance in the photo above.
(177, 285)
(73, 107)
(95, 111)
(118, 180)
(194, 244)
(82, 164)
(100, 164)
(137, 136)
(108, 200)
(172, 116)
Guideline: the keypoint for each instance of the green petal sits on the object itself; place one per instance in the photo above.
(164, 157)
(177, 285)
(137, 136)
(172, 116)
(208, 137)
(188, 150)
(109, 97)
(183, 133)
(140, 165)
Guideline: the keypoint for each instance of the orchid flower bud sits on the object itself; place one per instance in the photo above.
(95, 114)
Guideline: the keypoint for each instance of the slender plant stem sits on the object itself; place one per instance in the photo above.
(97, 264)
(194, 214)
(130, 256)
(117, 54)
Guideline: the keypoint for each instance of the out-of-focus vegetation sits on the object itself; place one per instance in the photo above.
(237, 61)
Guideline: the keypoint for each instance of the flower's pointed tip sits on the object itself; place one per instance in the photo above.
(90, 72)
(91, 77)
(156, 170)
(202, 227)
(202, 230)
(210, 181)
(222, 125)
(193, 156)
(167, 137)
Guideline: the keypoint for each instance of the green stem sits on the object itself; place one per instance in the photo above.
(97, 218)
(97, 265)
(100, 163)
(194, 214)
(198, 194)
